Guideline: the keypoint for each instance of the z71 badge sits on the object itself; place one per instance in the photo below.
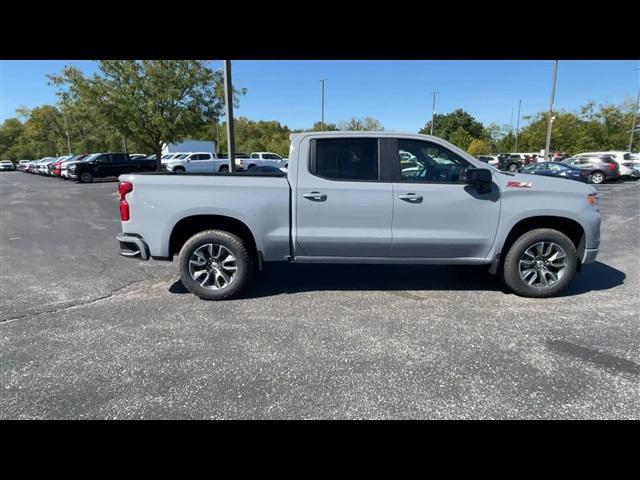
(520, 184)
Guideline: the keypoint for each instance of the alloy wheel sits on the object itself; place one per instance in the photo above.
(543, 264)
(213, 266)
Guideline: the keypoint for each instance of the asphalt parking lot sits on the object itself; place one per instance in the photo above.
(89, 334)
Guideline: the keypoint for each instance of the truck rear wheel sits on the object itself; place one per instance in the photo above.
(215, 265)
(540, 263)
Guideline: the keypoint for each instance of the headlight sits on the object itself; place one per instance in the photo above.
(593, 199)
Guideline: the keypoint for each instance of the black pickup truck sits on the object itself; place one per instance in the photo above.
(110, 165)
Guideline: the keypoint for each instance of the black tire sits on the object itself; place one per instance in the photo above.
(510, 273)
(244, 262)
(224, 168)
(600, 177)
(512, 167)
(85, 177)
(179, 170)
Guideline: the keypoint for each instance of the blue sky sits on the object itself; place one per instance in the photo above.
(398, 93)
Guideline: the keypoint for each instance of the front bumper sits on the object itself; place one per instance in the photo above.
(133, 246)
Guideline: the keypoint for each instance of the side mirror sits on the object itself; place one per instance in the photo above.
(480, 177)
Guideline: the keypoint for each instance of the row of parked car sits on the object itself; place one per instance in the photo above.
(89, 166)
(202, 162)
(588, 167)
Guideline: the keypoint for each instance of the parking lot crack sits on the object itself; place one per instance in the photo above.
(82, 303)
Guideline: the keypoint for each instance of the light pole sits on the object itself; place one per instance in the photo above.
(635, 116)
(518, 123)
(228, 95)
(550, 120)
(322, 80)
(511, 122)
(433, 111)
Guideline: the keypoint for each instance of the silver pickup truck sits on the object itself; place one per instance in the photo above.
(362, 197)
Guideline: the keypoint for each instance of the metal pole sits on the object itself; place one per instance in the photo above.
(66, 122)
(126, 148)
(635, 116)
(518, 123)
(228, 93)
(549, 121)
(322, 105)
(433, 111)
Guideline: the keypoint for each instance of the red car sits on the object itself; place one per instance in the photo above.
(56, 169)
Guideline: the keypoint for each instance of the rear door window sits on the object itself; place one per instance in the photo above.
(353, 159)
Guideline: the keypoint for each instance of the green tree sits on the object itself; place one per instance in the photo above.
(10, 132)
(327, 127)
(461, 138)
(255, 136)
(446, 125)
(356, 124)
(479, 147)
(151, 102)
(43, 133)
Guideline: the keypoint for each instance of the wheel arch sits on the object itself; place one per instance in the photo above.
(193, 224)
(570, 227)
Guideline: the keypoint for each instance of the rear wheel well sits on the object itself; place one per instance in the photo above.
(189, 226)
(569, 227)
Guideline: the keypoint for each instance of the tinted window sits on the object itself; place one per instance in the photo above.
(104, 159)
(430, 162)
(255, 155)
(118, 158)
(554, 167)
(347, 159)
(271, 156)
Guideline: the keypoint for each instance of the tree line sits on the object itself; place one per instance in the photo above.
(139, 105)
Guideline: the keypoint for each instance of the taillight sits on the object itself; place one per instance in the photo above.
(612, 166)
(123, 189)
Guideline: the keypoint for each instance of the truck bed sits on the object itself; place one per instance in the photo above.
(261, 200)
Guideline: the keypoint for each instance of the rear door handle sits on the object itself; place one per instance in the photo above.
(411, 198)
(316, 196)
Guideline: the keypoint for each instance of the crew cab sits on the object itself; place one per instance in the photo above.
(346, 198)
(109, 165)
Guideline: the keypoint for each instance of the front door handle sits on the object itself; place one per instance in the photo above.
(315, 196)
(411, 198)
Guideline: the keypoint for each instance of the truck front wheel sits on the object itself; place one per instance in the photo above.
(215, 265)
(540, 263)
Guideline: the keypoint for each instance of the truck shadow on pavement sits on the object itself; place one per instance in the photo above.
(277, 279)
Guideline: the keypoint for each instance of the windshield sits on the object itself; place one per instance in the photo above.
(181, 157)
(91, 157)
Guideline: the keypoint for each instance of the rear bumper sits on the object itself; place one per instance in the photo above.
(133, 246)
(589, 255)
